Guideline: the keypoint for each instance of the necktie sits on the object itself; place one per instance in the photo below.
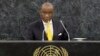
(49, 32)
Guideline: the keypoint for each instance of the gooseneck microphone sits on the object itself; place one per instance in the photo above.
(65, 29)
(43, 35)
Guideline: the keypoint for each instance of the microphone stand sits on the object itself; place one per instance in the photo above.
(65, 30)
(43, 35)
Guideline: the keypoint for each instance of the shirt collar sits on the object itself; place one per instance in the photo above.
(46, 23)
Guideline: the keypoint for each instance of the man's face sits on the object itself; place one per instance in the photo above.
(46, 13)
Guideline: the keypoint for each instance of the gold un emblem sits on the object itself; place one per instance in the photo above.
(50, 50)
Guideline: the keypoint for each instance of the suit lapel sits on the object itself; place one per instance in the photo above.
(41, 30)
(40, 26)
(54, 30)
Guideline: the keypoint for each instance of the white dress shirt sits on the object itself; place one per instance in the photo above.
(51, 25)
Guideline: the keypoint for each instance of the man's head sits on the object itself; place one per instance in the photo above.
(46, 11)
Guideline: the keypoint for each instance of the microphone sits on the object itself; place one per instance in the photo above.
(65, 29)
(43, 35)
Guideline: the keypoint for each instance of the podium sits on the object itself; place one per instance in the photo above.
(27, 48)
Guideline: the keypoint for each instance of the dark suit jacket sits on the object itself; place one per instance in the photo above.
(35, 31)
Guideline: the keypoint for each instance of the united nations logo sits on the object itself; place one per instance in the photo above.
(50, 50)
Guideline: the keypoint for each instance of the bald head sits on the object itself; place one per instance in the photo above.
(47, 5)
(46, 11)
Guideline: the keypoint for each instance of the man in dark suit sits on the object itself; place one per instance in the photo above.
(46, 28)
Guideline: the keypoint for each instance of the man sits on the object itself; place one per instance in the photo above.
(46, 28)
